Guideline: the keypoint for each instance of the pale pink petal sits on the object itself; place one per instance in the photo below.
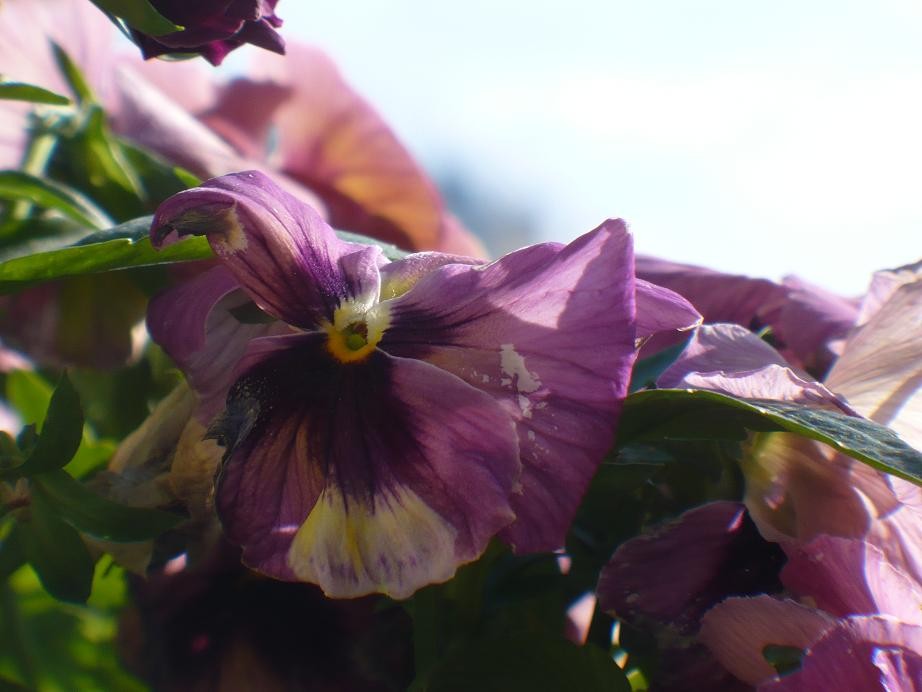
(851, 577)
(860, 654)
(731, 359)
(880, 372)
(737, 630)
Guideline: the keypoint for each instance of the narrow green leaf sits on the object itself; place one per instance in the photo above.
(680, 413)
(72, 75)
(16, 185)
(56, 552)
(98, 516)
(61, 433)
(19, 91)
(120, 247)
(94, 258)
(140, 15)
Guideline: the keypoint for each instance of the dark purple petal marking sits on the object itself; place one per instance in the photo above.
(351, 446)
(283, 254)
(547, 331)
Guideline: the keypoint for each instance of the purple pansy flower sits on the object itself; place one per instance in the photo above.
(396, 415)
(213, 28)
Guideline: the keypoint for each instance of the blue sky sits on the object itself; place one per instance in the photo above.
(765, 138)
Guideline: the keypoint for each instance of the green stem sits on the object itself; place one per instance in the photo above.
(34, 161)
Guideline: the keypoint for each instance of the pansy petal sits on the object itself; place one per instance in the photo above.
(752, 303)
(332, 141)
(194, 322)
(880, 371)
(548, 331)
(282, 253)
(159, 120)
(813, 323)
(737, 630)
(851, 576)
(662, 310)
(871, 654)
(399, 277)
(883, 285)
(380, 476)
(731, 359)
(798, 489)
(678, 571)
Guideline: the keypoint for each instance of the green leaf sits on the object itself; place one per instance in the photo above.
(72, 75)
(784, 659)
(62, 433)
(12, 556)
(140, 15)
(697, 414)
(56, 552)
(524, 661)
(19, 91)
(118, 248)
(30, 394)
(647, 371)
(52, 646)
(98, 516)
(16, 185)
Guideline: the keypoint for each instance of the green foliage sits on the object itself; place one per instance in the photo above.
(72, 75)
(50, 646)
(95, 257)
(784, 659)
(515, 603)
(30, 394)
(647, 370)
(95, 515)
(71, 203)
(526, 661)
(62, 433)
(139, 14)
(19, 91)
(688, 414)
(56, 552)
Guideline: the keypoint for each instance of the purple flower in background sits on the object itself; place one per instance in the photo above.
(395, 415)
(852, 535)
(807, 322)
(213, 28)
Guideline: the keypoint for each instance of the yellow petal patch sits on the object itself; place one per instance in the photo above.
(393, 546)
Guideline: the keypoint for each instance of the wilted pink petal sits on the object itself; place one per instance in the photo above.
(676, 572)
(859, 654)
(738, 630)
(814, 322)
(731, 359)
(880, 371)
(851, 577)
(806, 321)
(333, 142)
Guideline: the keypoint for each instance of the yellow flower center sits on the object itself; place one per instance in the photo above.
(355, 331)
